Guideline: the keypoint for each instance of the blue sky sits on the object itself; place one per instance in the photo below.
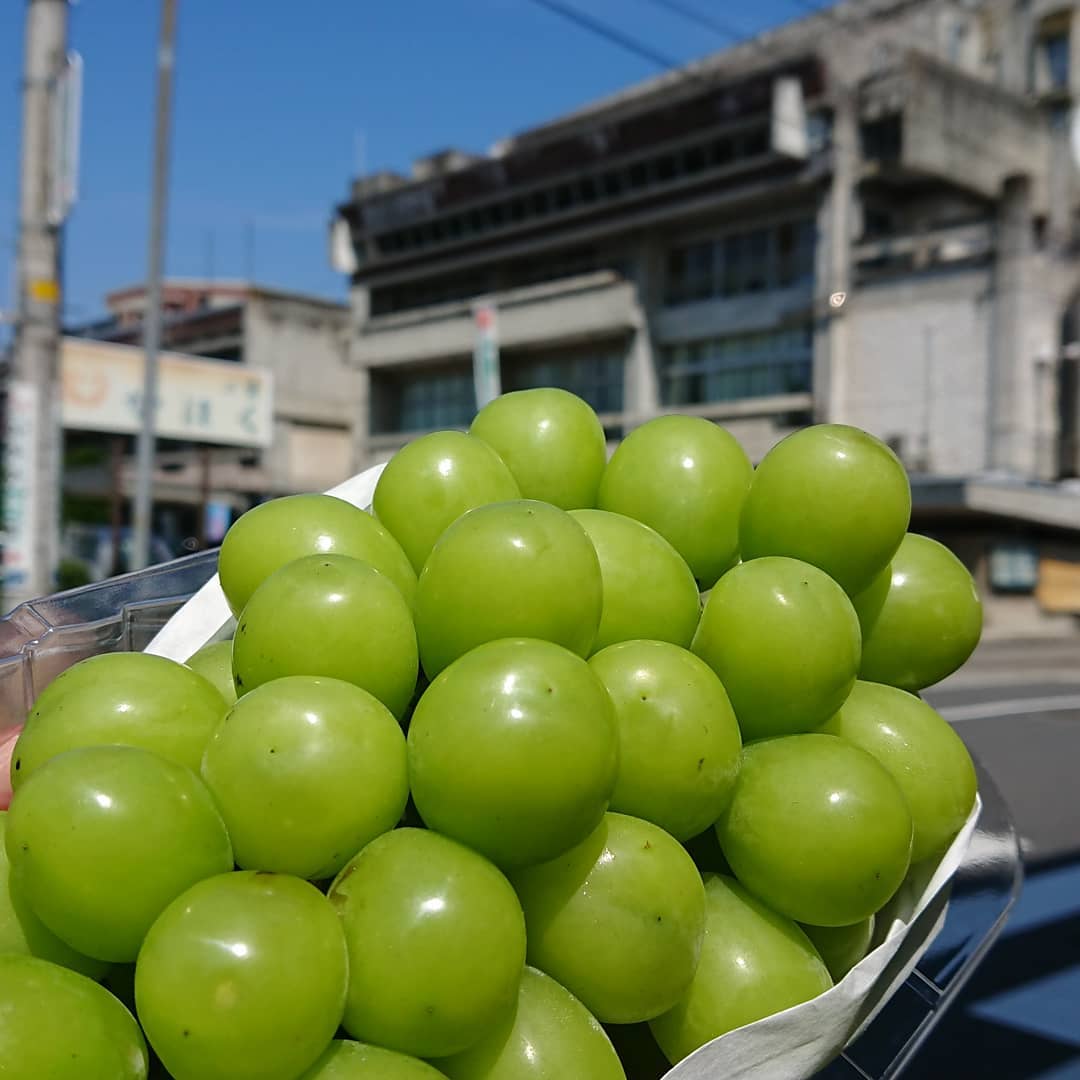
(277, 102)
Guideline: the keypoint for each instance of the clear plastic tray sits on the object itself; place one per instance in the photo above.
(41, 638)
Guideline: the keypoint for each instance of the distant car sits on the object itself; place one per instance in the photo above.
(91, 547)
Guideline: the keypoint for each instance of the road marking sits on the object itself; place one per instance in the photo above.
(1013, 707)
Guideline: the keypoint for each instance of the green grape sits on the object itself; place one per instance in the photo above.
(329, 615)
(648, 589)
(921, 617)
(549, 1036)
(551, 441)
(276, 532)
(428, 484)
(21, 931)
(784, 640)
(618, 920)
(841, 947)
(513, 750)
(679, 741)
(687, 478)
(102, 838)
(242, 978)
(832, 496)
(754, 963)
(214, 663)
(817, 829)
(514, 569)
(348, 1060)
(305, 771)
(58, 1025)
(436, 943)
(925, 756)
(126, 699)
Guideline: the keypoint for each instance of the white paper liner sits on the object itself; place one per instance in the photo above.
(799, 1041)
(788, 1046)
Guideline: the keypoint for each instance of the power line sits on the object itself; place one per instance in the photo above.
(615, 37)
(690, 14)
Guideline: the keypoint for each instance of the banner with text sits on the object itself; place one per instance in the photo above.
(207, 401)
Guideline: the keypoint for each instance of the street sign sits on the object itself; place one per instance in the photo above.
(20, 491)
(790, 136)
(205, 401)
(66, 130)
(486, 378)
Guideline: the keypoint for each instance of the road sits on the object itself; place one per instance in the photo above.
(1017, 706)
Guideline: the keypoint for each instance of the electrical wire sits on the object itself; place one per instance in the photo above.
(699, 18)
(614, 37)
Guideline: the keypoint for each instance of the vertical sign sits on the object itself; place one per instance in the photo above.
(790, 136)
(66, 129)
(486, 355)
(20, 495)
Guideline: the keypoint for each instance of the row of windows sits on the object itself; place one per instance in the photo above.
(434, 399)
(732, 368)
(513, 275)
(737, 367)
(633, 178)
(597, 379)
(753, 260)
(444, 397)
(749, 261)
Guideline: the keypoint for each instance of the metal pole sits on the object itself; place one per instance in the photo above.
(32, 447)
(144, 457)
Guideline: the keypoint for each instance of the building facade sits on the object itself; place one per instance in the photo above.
(868, 216)
(301, 341)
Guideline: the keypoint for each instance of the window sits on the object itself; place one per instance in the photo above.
(795, 243)
(722, 152)
(691, 273)
(1014, 568)
(882, 140)
(612, 183)
(755, 260)
(596, 377)
(757, 263)
(422, 399)
(754, 143)
(734, 259)
(1054, 61)
(694, 160)
(761, 364)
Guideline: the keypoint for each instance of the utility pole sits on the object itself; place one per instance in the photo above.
(32, 472)
(144, 457)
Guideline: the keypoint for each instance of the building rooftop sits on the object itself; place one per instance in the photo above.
(771, 48)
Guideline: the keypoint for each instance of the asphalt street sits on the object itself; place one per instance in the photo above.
(1017, 706)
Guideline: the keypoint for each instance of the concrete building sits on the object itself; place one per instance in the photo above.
(302, 341)
(867, 216)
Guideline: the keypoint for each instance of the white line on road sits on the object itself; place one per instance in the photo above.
(1012, 707)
